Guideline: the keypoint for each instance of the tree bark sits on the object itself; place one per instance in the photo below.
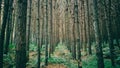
(78, 33)
(0, 13)
(88, 28)
(21, 33)
(99, 53)
(51, 29)
(46, 32)
(38, 33)
(110, 38)
(9, 28)
(28, 29)
(2, 34)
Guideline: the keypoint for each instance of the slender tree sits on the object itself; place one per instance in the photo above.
(117, 7)
(46, 32)
(28, 28)
(88, 28)
(74, 41)
(84, 27)
(0, 6)
(51, 29)
(110, 37)
(2, 34)
(99, 53)
(9, 28)
(38, 33)
(78, 34)
(0, 13)
(43, 22)
(21, 33)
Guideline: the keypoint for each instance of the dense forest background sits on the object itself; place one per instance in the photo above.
(59, 34)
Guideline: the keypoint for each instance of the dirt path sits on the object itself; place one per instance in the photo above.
(61, 55)
(56, 66)
(61, 51)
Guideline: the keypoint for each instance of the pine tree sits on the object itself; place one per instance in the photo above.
(28, 28)
(21, 33)
(9, 28)
(38, 33)
(46, 38)
(99, 53)
(2, 34)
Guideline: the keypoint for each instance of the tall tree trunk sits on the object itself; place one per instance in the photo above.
(118, 18)
(88, 28)
(2, 34)
(117, 7)
(43, 22)
(9, 28)
(38, 33)
(106, 16)
(84, 27)
(78, 34)
(21, 33)
(74, 42)
(46, 32)
(51, 25)
(13, 24)
(0, 13)
(28, 29)
(0, 6)
(110, 38)
(99, 53)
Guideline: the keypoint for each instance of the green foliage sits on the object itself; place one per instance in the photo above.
(118, 58)
(43, 48)
(71, 64)
(32, 62)
(12, 48)
(64, 57)
(57, 60)
(8, 60)
(90, 62)
(108, 64)
(33, 47)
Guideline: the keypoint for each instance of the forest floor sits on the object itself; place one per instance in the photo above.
(61, 58)
(64, 59)
(56, 66)
(62, 52)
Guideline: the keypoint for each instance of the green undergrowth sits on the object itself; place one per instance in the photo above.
(87, 62)
(56, 60)
(91, 62)
(61, 55)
